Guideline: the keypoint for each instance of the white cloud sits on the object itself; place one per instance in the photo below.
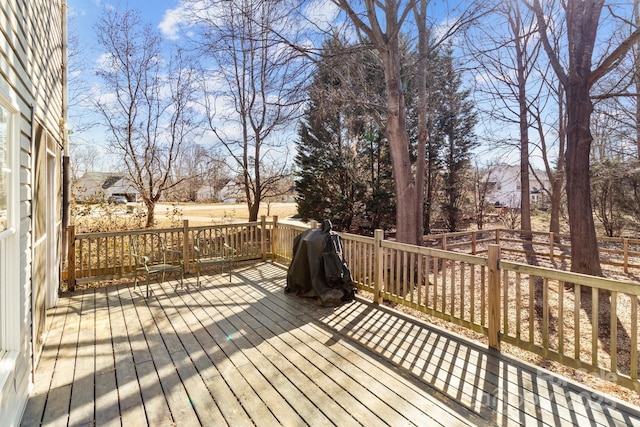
(321, 12)
(171, 22)
(104, 61)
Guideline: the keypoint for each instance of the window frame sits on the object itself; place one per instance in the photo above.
(10, 283)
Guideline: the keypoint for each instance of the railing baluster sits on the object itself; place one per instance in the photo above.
(634, 338)
(594, 326)
(577, 292)
(483, 297)
(518, 285)
(560, 286)
(613, 339)
(505, 302)
(453, 289)
(462, 293)
(443, 285)
(472, 284)
(545, 314)
(531, 307)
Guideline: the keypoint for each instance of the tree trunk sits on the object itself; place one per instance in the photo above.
(151, 206)
(558, 175)
(556, 201)
(254, 208)
(420, 12)
(429, 192)
(406, 195)
(515, 18)
(584, 243)
(525, 193)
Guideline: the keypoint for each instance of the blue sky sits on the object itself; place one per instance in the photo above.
(83, 14)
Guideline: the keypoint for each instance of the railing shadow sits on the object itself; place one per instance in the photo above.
(186, 356)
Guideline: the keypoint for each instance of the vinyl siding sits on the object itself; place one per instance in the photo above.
(31, 60)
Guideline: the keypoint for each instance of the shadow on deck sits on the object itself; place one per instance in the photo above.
(243, 353)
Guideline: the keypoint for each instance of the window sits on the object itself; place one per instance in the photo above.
(5, 168)
(5, 180)
(9, 283)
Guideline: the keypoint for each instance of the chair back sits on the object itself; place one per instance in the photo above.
(150, 245)
(211, 243)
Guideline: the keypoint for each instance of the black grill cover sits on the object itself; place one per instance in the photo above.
(318, 268)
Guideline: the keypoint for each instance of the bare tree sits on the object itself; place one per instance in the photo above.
(85, 158)
(254, 86)
(510, 59)
(578, 77)
(147, 107)
(483, 187)
(197, 166)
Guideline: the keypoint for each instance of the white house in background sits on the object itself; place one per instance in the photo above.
(123, 187)
(504, 186)
(206, 193)
(89, 186)
(99, 186)
(232, 192)
(32, 139)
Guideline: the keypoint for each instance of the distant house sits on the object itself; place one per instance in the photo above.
(503, 184)
(32, 138)
(232, 192)
(207, 193)
(123, 187)
(89, 187)
(99, 186)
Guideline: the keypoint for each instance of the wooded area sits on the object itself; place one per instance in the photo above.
(393, 106)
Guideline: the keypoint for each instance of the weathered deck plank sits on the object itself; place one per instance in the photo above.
(243, 353)
(82, 398)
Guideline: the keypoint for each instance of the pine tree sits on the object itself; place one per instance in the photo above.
(329, 183)
(454, 129)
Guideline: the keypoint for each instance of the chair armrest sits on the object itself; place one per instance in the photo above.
(175, 251)
(143, 258)
(229, 251)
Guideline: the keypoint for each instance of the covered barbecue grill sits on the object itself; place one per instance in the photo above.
(318, 268)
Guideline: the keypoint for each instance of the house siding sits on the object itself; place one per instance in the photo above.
(31, 60)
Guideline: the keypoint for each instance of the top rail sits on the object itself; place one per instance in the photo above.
(107, 255)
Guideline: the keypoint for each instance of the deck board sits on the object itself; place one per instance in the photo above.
(243, 353)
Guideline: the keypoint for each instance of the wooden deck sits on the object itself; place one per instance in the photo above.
(244, 353)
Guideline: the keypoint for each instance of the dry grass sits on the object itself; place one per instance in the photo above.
(207, 214)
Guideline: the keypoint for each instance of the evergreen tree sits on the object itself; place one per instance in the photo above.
(329, 183)
(380, 206)
(343, 163)
(454, 129)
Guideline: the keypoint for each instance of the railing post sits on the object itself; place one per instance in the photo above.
(378, 262)
(473, 242)
(551, 248)
(494, 296)
(625, 243)
(186, 250)
(313, 224)
(263, 237)
(444, 241)
(274, 239)
(71, 258)
(497, 236)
